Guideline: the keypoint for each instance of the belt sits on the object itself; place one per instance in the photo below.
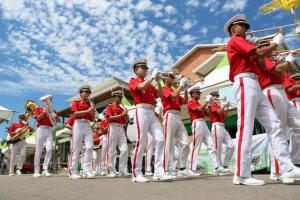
(145, 105)
(245, 74)
(199, 120)
(274, 86)
(45, 127)
(218, 123)
(116, 124)
(82, 120)
(174, 111)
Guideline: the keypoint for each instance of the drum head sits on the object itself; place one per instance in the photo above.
(131, 130)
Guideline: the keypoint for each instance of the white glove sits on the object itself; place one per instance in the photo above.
(228, 103)
(53, 115)
(24, 122)
(278, 39)
(183, 82)
(290, 58)
(155, 73)
(208, 98)
(254, 40)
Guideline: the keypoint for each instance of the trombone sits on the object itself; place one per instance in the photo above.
(274, 28)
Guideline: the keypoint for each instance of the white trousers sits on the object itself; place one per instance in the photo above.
(17, 155)
(81, 132)
(104, 150)
(43, 136)
(146, 121)
(295, 137)
(175, 133)
(149, 152)
(201, 134)
(221, 136)
(117, 137)
(251, 103)
(96, 159)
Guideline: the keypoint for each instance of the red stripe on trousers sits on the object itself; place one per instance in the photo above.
(241, 131)
(216, 138)
(294, 103)
(194, 144)
(108, 144)
(166, 128)
(137, 144)
(271, 101)
(71, 154)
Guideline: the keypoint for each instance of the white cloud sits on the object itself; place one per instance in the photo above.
(218, 40)
(234, 5)
(193, 3)
(170, 10)
(188, 24)
(187, 39)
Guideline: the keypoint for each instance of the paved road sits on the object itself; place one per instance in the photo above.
(26, 187)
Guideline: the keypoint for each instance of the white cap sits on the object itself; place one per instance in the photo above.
(45, 97)
(194, 88)
(237, 19)
(117, 93)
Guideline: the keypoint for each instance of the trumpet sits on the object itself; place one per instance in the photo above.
(274, 28)
(94, 106)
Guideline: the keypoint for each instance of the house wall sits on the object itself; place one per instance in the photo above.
(197, 58)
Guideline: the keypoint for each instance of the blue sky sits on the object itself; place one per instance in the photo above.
(56, 46)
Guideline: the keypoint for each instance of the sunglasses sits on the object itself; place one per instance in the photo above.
(143, 66)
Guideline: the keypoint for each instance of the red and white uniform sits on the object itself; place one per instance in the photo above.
(251, 104)
(220, 135)
(174, 128)
(295, 96)
(104, 124)
(96, 152)
(81, 132)
(146, 121)
(43, 136)
(17, 150)
(116, 137)
(201, 134)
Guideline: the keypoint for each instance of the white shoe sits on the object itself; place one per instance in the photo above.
(161, 177)
(148, 173)
(291, 176)
(46, 173)
(171, 175)
(247, 181)
(111, 175)
(88, 175)
(221, 171)
(37, 175)
(74, 176)
(187, 173)
(103, 173)
(275, 177)
(18, 172)
(11, 174)
(124, 174)
(140, 179)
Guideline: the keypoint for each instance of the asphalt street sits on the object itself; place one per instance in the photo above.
(26, 187)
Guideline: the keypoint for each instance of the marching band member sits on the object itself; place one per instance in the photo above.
(46, 119)
(292, 89)
(144, 95)
(97, 149)
(150, 143)
(117, 117)
(83, 113)
(17, 150)
(270, 79)
(218, 113)
(104, 126)
(174, 129)
(251, 103)
(201, 133)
